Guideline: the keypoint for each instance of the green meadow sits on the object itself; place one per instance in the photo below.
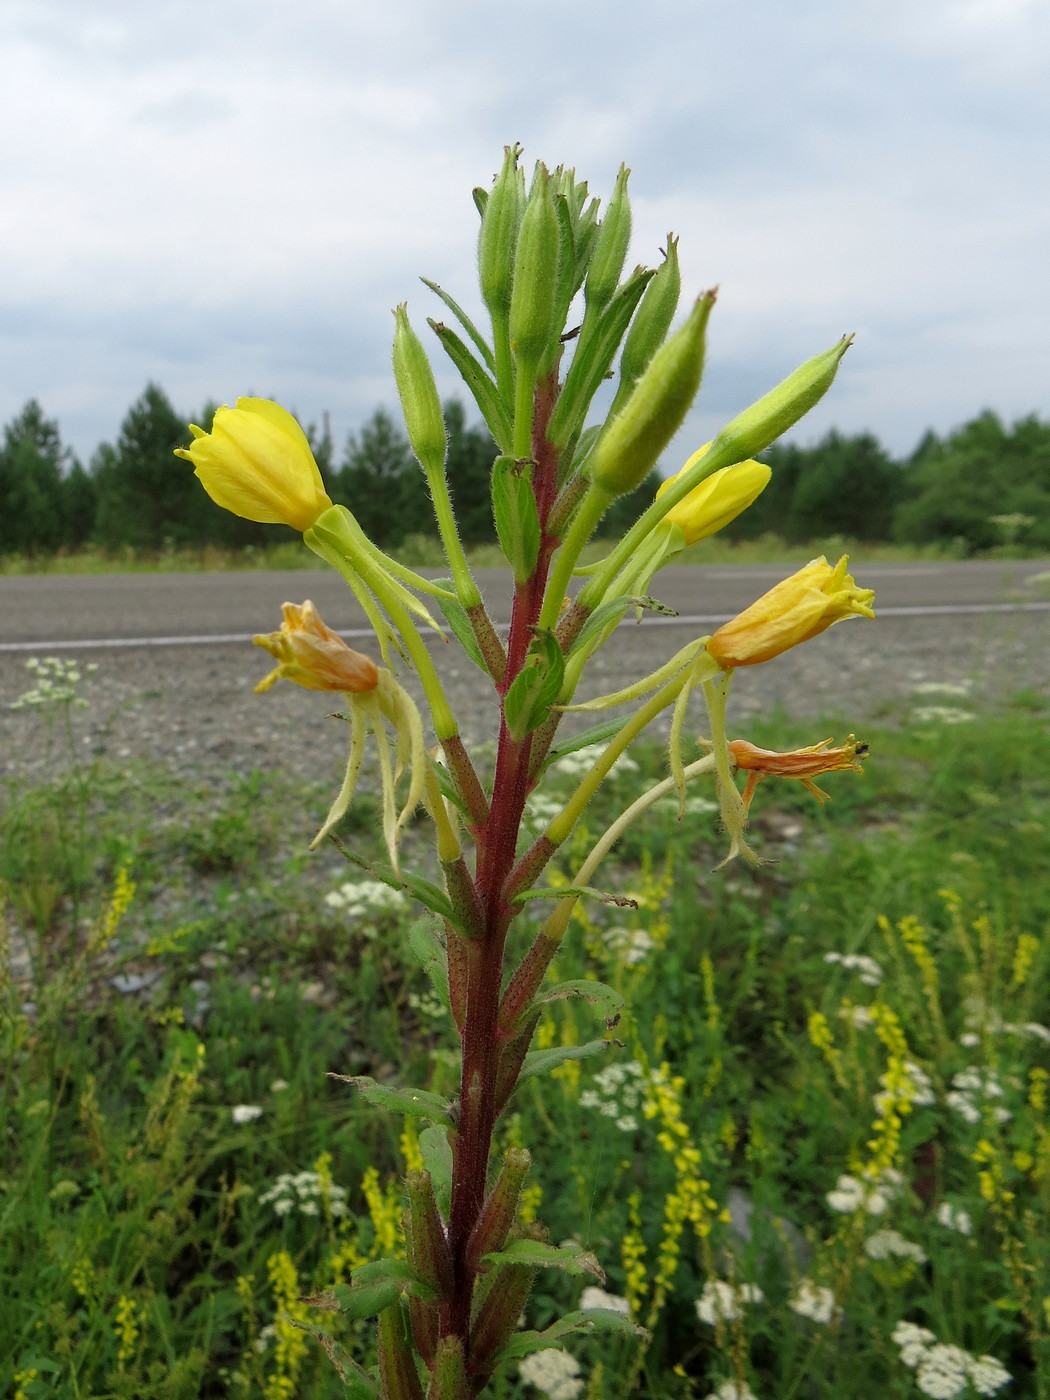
(812, 1158)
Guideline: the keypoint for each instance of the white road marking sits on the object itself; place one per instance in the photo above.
(682, 620)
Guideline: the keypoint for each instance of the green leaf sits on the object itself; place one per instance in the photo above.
(540, 1061)
(596, 734)
(593, 1320)
(391, 1271)
(610, 613)
(428, 948)
(514, 510)
(536, 686)
(359, 1384)
(573, 1258)
(480, 384)
(437, 1157)
(416, 1103)
(622, 901)
(606, 1000)
(465, 321)
(459, 623)
(428, 895)
(367, 1301)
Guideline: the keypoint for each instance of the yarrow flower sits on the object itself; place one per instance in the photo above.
(257, 463)
(616, 1092)
(872, 1194)
(731, 1390)
(971, 1089)
(867, 969)
(360, 898)
(942, 1370)
(954, 1218)
(918, 1085)
(801, 607)
(889, 1244)
(555, 1372)
(598, 1298)
(305, 1192)
(725, 1302)
(245, 1113)
(814, 1301)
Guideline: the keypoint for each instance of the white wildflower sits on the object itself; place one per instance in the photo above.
(575, 765)
(867, 969)
(988, 1375)
(859, 1017)
(941, 714)
(943, 1371)
(872, 1195)
(598, 1298)
(721, 1301)
(814, 1301)
(245, 1113)
(887, 1244)
(616, 1092)
(554, 1372)
(278, 1085)
(303, 1192)
(959, 690)
(918, 1086)
(969, 1039)
(731, 1390)
(632, 943)
(973, 1085)
(541, 809)
(366, 898)
(954, 1218)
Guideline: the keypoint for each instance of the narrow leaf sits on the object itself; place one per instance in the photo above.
(536, 686)
(596, 734)
(514, 511)
(428, 948)
(480, 384)
(428, 894)
(437, 1158)
(366, 1301)
(622, 901)
(389, 1271)
(593, 1320)
(465, 321)
(573, 1258)
(359, 1384)
(540, 1061)
(459, 624)
(606, 1000)
(416, 1103)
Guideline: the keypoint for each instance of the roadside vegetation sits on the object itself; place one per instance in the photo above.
(814, 1161)
(982, 490)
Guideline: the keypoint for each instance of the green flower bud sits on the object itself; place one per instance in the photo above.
(419, 396)
(500, 221)
(450, 1371)
(610, 249)
(629, 447)
(533, 300)
(497, 1215)
(397, 1366)
(430, 1253)
(754, 429)
(651, 323)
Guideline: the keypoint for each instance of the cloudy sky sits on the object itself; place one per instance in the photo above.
(228, 196)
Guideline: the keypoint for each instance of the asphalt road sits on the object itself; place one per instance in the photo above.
(47, 609)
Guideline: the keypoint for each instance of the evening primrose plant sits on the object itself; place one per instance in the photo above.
(564, 315)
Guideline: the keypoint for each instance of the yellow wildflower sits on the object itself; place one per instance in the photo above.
(309, 653)
(257, 463)
(717, 500)
(793, 611)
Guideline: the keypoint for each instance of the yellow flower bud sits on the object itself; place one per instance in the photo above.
(718, 499)
(792, 612)
(257, 463)
(312, 655)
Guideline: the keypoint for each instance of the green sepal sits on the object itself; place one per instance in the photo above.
(414, 1103)
(593, 1320)
(532, 303)
(437, 1157)
(465, 321)
(606, 1000)
(500, 221)
(610, 249)
(573, 1258)
(536, 686)
(650, 326)
(480, 384)
(358, 1383)
(540, 1061)
(517, 519)
(459, 624)
(427, 946)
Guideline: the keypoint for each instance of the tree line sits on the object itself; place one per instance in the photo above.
(984, 484)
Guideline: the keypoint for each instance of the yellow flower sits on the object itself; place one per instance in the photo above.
(257, 463)
(719, 499)
(792, 612)
(312, 655)
(803, 764)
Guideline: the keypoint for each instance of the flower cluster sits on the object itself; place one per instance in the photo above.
(942, 1370)
(867, 969)
(633, 945)
(888, 1244)
(364, 899)
(305, 1192)
(725, 1302)
(731, 1390)
(954, 1218)
(55, 683)
(918, 1086)
(814, 1301)
(598, 1298)
(971, 1089)
(616, 1092)
(554, 1372)
(871, 1192)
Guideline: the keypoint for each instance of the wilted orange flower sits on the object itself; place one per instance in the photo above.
(803, 764)
(799, 608)
(312, 655)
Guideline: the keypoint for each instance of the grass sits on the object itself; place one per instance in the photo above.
(423, 552)
(169, 956)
